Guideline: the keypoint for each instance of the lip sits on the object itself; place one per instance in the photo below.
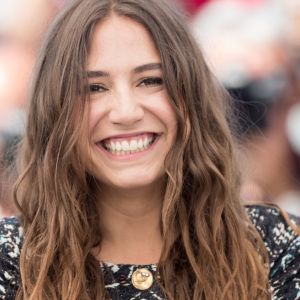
(131, 156)
(128, 135)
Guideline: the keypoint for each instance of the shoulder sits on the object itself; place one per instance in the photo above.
(277, 232)
(280, 236)
(11, 236)
(10, 246)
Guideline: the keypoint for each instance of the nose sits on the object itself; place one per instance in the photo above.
(126, 109)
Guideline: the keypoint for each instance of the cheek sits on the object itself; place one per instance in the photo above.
(165, 112)
(96, 113)
(170, 122)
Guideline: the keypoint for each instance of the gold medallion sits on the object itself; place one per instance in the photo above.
(142, 279)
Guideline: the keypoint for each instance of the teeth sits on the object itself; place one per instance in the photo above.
(133, 145)
(118, 146)
(112, 146)
(146, 142)
(126, 147)
(140, 144)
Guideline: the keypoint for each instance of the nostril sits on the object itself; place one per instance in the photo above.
(126, 116)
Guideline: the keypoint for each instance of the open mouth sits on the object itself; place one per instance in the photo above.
(125, 146)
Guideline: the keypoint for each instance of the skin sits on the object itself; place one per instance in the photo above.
(128, 101)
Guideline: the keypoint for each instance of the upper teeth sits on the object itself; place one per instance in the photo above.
(129, 145)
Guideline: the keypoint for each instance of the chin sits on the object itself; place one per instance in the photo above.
(136, 182)
(132, 177)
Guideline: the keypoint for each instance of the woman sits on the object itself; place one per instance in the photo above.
(128, 185)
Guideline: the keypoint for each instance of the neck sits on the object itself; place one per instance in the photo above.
(130, 225)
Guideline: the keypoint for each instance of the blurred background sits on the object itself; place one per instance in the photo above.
(253, 48)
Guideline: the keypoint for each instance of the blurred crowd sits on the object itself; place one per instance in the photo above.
(252, 46)
(23, 24)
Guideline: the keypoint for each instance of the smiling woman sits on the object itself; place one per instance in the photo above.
(128, 186)
(131, 120)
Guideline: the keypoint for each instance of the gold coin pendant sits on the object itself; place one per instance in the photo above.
(142, 279)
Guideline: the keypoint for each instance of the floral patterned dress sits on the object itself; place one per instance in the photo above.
(282, 243)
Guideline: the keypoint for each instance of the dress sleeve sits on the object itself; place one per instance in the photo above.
(283, 246)
(10, 243)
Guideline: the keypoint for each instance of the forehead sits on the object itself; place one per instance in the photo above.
(120, 41)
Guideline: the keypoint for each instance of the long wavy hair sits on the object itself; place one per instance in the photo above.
(210, 250)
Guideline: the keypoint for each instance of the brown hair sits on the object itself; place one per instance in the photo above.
(211, 251)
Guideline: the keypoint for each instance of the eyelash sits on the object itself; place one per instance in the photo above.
(147, 82)
(151, 81)
(96, 88)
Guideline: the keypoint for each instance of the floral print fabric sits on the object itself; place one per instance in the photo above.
(281, 241)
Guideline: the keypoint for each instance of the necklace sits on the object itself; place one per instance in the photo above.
(141, 277)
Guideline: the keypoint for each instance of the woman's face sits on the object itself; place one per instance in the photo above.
(131, 121)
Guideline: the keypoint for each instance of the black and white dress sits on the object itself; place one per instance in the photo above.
(282, 243)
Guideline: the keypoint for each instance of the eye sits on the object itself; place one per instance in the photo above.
(151, 81)
(97, 88)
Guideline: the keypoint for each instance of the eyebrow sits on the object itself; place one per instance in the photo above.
(95, 74)
(147, 67)
(139, 69)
